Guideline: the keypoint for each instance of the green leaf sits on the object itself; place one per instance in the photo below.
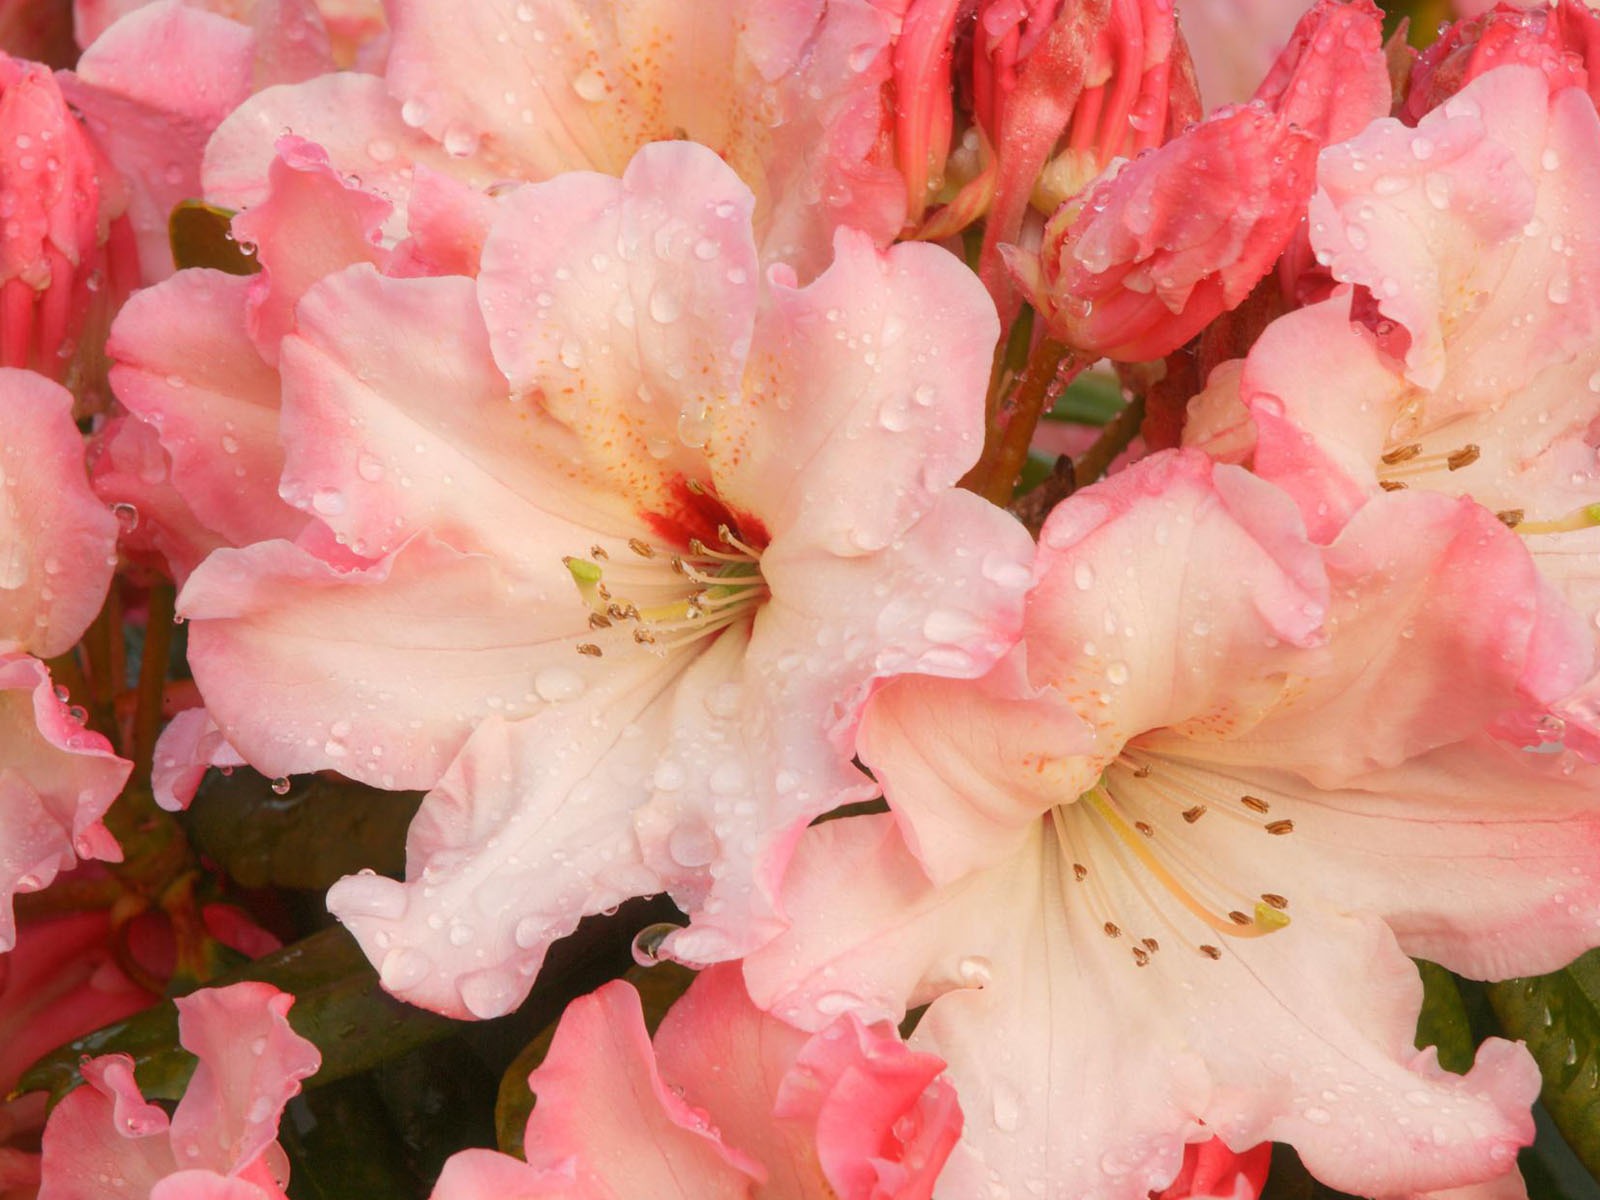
(342, 1146)
(1288, 1179)
(1092, 398)
(1443, 1020)
(201, 236)
(1558, 1015)
(318, 831)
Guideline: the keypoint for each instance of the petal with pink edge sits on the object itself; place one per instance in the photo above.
(57, 539)
(251, 1065)
(599, 1091)
(56, 781)
(103, 1132)
(189, 746)
(184, 363)
(152, 90)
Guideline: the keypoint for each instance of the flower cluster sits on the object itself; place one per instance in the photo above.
(616, 448)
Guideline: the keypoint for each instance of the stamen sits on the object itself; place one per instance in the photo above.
(1211, 952)
(1144, 828)
(1255, 804)
(1151, 944)
(1275, 900)
(1463, 457)
(1391, 485)
(1080, 872)
(1239, 918)
(1141, 956)
(590, 650)
(1408, 460)
(1111, 930)
(598, 551)
(1192, 815)
(1279, 828)
(1586, 517)
(1402, 454)
(599, 621)
(642, 548)
(1510, 517)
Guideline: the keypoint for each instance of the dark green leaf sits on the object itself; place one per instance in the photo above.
(342, 1146)
(1288, 1179)
(1443, 1021)
(1558, 1016)
(440, 1100)
(318, 831)
(1091, 399)
(201, 236)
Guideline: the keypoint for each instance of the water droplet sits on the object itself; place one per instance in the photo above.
(127, 516)
(1117, 673)
(975, 971)
(590, 85)
(1083, 576)
(459, 141)
(280, 786)
(403, 969)
(691, 845)
(488, 993)
(664, 306)
(381, 150)
(555, 684)
(647, 942)
(327, 502)
(1317, 1116)
(1007, 1108)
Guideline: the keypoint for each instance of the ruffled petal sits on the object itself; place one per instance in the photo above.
(152, 89)
(184, 363)
(251, 1065)
(103, 1139)
(188, 747)
(56, 781)
(57, 539)
(601, 1101)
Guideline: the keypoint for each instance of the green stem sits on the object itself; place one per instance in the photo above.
(1113, 440)
(995, 476)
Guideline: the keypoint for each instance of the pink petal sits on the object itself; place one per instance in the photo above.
(1212, 1170)
(354, 121)
(396, 420)
(900, 399)
(189, 746)
(251, 1065)
(1234, 42)
(490, 1175)
(184, 363)
(311, 224)
(373, 671)
(56, 781)
(103, 1141)
(152, 90)
(1471, 180)
(207, 1185)
(601, 1101)
(629, 305)
(57, 540)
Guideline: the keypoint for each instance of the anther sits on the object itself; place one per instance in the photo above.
(1239, 918)
(696, 547)
(642, 548)
(1275, 900)
(1510, 517)
(1402, 454)
(1255, 803)
(1111, 930)
(598, 551)
(694, 485)
(1151, 944)
(1391, 485)
(1463, 457)
(1192, 815)
(1142, 771)
(1279, 828)
(1141, 956)
(599, 621)
(676, 563)
(1144, 828)
(1211, 952)
(1080, 872)
(726, 535)
(589, 649)
(643, 636)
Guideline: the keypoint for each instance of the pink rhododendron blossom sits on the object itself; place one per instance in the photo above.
(653, 558)
(1481, 378)
(350, 31)
(789, 95)
(1147, 875)
(54, 256)
(1562, 40)
(1159, 249)
(731, 1103)
(104, 1141)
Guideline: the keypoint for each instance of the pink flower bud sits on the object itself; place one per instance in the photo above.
(1175, 238)
(1331, 79)
(52, 241)
(1563, 41)
(1211, 1169)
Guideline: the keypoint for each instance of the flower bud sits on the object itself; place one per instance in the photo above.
(1178, 236)
(53, 244)
(1331, 79)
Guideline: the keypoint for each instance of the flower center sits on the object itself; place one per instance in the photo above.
(669, 599)
(1406, 464)
(1145, 824)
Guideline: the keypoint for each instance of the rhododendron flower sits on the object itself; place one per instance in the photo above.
(730, 1102)
(1173, 239)
(1481, 377)
(53, 251)
(57, 550)
(1211, 1170)
(1332, 78)
(647, 581)
(790, 95)
(104, 1141)
(1161, 870)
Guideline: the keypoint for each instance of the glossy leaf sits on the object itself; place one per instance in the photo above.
(1443, 1021)
(1558, 1015)
(201, 236)
(318, 831)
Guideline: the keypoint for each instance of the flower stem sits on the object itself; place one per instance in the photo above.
(1006, 449)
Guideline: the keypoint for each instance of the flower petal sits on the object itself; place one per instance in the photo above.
(57, 540)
